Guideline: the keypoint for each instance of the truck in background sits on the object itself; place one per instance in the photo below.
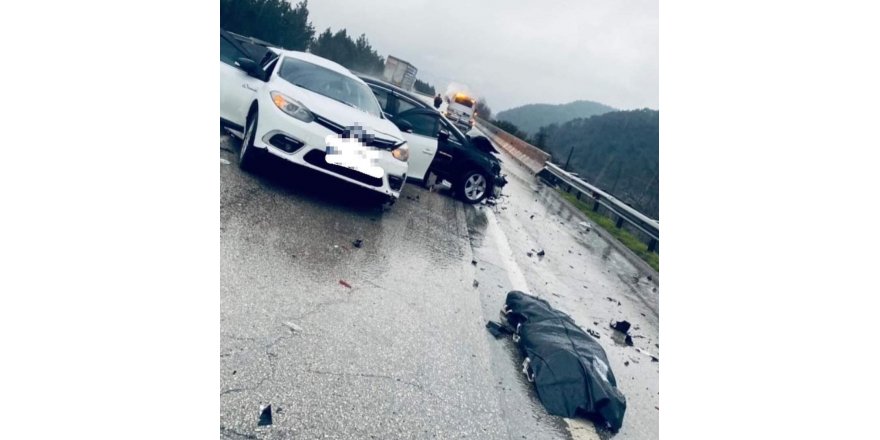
(460, 110)
(399, 72)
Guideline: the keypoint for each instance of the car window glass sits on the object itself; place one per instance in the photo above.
(423, 124)
(382, 96)
(404, 106)
(229, 53)
(454, 134)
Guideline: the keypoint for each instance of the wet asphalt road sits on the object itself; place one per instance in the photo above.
(403, 352)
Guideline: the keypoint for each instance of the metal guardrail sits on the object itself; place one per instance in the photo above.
(624, 212)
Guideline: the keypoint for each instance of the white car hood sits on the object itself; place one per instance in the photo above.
(338, 112)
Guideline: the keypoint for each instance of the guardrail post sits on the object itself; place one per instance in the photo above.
(578, 196)
(596, 206)
(652, 245)
(619, 223)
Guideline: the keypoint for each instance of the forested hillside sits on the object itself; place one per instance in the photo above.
(529, 118)
(617, 151)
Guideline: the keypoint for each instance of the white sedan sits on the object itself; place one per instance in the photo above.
(312, 112)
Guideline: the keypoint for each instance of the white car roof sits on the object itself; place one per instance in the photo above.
(323, 62)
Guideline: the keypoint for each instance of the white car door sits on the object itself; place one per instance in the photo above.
(422, 140)
(237, 88)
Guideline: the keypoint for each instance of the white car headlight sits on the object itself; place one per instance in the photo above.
(401, 153)
(291, 106)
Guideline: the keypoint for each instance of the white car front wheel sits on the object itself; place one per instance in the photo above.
(248, 155)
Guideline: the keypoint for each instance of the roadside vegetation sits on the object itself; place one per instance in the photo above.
(286, 25)
(628, 239)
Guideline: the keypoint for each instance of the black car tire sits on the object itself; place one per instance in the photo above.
(473, 186)
(249, 155)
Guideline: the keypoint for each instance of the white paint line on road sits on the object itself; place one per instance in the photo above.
(514, 274)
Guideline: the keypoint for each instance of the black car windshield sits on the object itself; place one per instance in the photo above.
(331, 84)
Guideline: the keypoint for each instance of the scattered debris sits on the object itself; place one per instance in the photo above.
(474, 262)
(529, 254)
(585, 226)
(595, 322)
(541, 253)
(265, 415)
(532, 217)
(610, 298)
(629, 340)
(655, 358)
(293, 327)
(643, 314)
(234, 371)
(224, 161)
(357, 243)
(626, 363)
(345, 283)
(621, 326)
(650, 278)
(594, 333)
(476, 283)
(498, 330)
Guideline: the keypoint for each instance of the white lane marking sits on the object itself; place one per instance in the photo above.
(514, 274)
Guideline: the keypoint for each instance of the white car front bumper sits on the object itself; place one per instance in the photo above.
(281, 135)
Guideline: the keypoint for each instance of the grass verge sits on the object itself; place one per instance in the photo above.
(628, 239)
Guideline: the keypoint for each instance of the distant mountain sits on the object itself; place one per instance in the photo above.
(617, 151)
(529, 118)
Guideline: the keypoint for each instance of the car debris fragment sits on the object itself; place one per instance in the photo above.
(344, 283)
(357, 243)
(621, 326)
(265, 415)
(293, 327)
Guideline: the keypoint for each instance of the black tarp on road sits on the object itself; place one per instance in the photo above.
(569, 367)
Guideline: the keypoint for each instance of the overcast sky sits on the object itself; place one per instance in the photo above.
(515, 52)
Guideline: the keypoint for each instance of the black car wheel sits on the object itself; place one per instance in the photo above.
(248, 156)
(473, 186)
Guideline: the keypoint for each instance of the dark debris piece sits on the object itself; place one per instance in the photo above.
(265, 415)
(621, 326)
(498, 330)
(529, 254)
(541, 253)
(474, 262)
(594, 333)
(357, 243)
(629, 340)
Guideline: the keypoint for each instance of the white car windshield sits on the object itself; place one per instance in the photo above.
(331, 84)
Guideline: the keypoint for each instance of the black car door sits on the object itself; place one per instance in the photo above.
(449, 146)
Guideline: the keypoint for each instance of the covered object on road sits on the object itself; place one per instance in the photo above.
(569, 368)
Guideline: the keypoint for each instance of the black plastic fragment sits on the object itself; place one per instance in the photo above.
(265, 415)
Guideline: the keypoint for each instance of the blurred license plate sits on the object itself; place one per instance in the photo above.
(355, 156)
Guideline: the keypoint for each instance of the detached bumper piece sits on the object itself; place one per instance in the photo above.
(569, 368)
(318, 158)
